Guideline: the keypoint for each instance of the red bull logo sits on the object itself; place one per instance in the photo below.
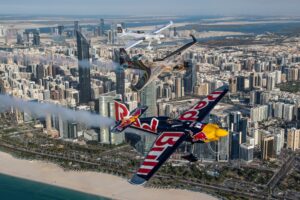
(152, 127)
(192, 114)
(165, 140)
(121, 111)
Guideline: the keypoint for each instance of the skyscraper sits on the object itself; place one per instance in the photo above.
(243, 127)
(101, 27)
(267, 147)
(60, 29)
(234, 120)
(105, 107)
(293, 139)
(235, 142)
(233, 84)
(76, 27)
(270, 81)
(36, 38)
(40, 72)
(240, 83)
(148, 98)
(19, 39)
(84, 68)
(120, 75)
(223, 149)
(178, 87)
(190, 77)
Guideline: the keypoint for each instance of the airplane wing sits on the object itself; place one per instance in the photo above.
(163, 28)
(163, 147)
(202, 108)
(134, 43)
(178, 51)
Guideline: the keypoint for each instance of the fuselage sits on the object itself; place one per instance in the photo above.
(197, 132)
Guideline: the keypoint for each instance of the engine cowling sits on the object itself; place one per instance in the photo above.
(213, 132)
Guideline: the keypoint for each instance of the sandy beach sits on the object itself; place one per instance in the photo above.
(90, 182)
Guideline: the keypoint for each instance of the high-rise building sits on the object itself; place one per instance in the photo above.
(26, 37)
(270, 81)
(288, 112)
(2, 31)
(101, 27)
(234, 120)
(253, 81)
(278, 134)
(60, 29)
(201, 89)
(105, 107)
(240, 83)
(246, 152)
(259, 113)
(233, 84)
(19, 39)
(235, 141)
(120, 75)
(190, 77)
(148, 98)
(178, 87)
(72, 130)
(253, 132)
(278, 110)
(40, 72)
(109, 37)
(76, 27)
(36, 41)
(267, 147)
(243, 128)
(84, 68)
(223, 149)
(293, 139)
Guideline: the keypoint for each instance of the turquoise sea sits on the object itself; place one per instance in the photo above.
(12, 188)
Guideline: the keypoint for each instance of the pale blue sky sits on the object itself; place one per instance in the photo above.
(153, 7)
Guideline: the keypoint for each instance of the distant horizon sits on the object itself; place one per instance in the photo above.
(242, 17)
(153, 7)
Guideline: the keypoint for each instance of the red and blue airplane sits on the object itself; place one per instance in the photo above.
(170, 132)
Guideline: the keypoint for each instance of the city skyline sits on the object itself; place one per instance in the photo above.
(217, 97)
(155, 7)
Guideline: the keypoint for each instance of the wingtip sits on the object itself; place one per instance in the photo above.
(137, 180)
(193, 37)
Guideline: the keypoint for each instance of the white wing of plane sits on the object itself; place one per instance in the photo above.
(144, 37)
(133, 43)
(162, 28)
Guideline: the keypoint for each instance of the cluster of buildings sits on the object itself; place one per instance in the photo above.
(84, 74)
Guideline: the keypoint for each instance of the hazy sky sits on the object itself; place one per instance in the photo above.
(152, 7)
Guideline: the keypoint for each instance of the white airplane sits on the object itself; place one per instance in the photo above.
(140, 36)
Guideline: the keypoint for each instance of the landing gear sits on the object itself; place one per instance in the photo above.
(190, 157)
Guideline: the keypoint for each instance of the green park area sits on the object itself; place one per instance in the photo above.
(293, 86)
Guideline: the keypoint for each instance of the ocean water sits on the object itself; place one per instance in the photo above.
(12, 188)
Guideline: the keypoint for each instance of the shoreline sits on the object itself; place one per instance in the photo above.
(100, 184)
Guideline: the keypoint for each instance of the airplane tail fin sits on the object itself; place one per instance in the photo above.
(120, 30)
(121, 110)
(124, 118)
